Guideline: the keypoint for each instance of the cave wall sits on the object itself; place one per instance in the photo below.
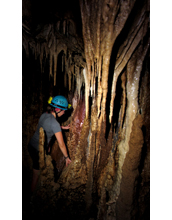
(101, 64)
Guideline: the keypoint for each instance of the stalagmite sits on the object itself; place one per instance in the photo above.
(130, 170)
(41, 148)
(133, 72)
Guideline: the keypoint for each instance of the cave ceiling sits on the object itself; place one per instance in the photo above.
(41, 19)
(37, 14)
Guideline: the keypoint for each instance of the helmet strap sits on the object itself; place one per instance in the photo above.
(58, 112)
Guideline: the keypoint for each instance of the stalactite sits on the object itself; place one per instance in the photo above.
(123, 85)
(62, 62)
(89, 46)
(65, 71)
(69, 77)
(41, 54)
(55, 59)
(55, 67)
(51, 64)
(50, 41)
(38, 47)
(105, 43)
(79, 80)
(72, 75)
(106, 61)
(99, 92)
(71, 27)
(64, 27)
(67, 62)
(32, 47)
(58, 25)
(26, 47)
(87, 88)
(91, 78)
(123, 10)
(137, 35)
(46, 50)
(36, 51)
(88, 51)
(67, 28)
(51, 46)
(68, 69)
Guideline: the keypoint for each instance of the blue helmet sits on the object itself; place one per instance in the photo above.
(59, 102)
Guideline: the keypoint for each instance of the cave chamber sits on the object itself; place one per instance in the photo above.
(96, 54)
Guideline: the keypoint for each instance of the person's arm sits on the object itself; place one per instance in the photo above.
(62, 146)
(65, 127)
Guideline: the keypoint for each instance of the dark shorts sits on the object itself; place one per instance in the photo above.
(35, 157)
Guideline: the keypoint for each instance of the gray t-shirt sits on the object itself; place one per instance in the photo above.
(50, 125)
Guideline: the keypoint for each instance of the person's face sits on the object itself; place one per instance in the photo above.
(60, 113)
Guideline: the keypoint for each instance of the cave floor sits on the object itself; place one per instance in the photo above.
(40, 207)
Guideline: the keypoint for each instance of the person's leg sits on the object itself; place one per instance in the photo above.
(35, 175)
(35, 178)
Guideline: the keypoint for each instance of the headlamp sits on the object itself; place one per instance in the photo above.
(50, 99)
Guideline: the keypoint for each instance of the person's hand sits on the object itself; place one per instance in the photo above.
(68, 161)
(66, 127)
